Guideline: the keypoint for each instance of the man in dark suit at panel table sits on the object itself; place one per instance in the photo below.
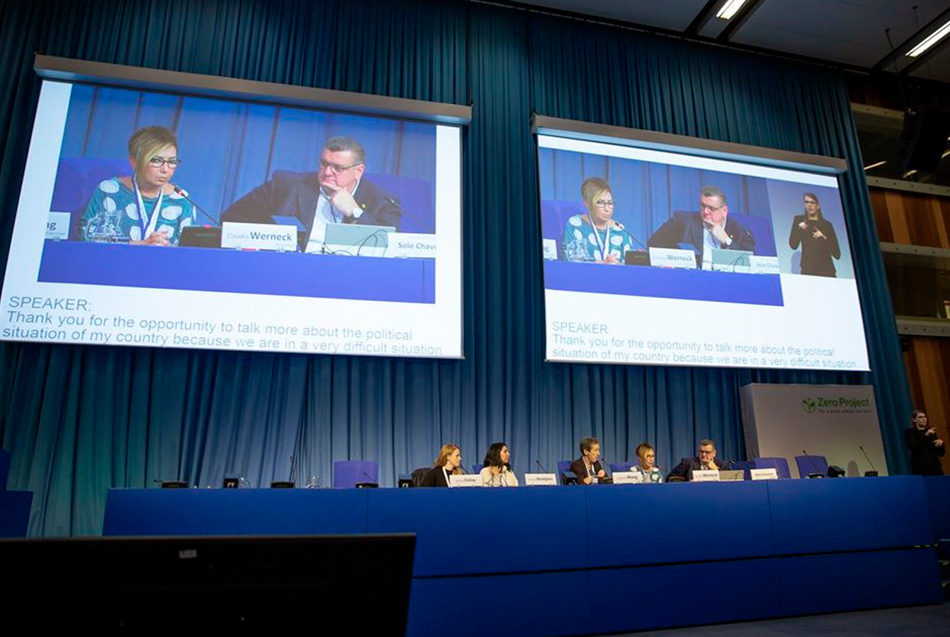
(710, 228)
(705, 459)
(336, 193)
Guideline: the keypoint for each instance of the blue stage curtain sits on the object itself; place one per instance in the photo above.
(79, 420)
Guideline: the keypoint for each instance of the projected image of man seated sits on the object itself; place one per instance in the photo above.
(707, 232)
(335, 194)
(705, 460)
(595, 236)
(143, 208)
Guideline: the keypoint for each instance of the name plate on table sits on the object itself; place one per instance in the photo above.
(705, 475)
(763, 265)
(627, 477)
(549, 249)
(465, 480)
(764, 474)
(673, 258)
(540, 480)
(57, 226)
(412, 244)
(258, 236)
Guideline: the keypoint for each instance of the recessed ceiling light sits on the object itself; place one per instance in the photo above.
(930, 40)
(730, 9)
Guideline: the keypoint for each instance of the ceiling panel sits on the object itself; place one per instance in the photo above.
(674, 15)
(845, 31)
(850, 32)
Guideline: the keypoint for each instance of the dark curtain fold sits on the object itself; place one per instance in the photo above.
(79, 420)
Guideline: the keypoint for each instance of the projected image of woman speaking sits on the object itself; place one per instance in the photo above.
(595, 236)
(145, 207)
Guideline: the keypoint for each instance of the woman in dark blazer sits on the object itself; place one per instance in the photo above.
(587, 468)
(817, 237)
(448, 462)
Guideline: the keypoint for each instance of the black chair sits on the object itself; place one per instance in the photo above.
(418, 475)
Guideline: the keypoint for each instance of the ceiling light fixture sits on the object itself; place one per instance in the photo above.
(880, 163)
(930, 40)
(730, 9)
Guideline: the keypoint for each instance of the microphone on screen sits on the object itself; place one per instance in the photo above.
(184, 194)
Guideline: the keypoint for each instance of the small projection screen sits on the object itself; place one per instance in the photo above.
(667, 250)
(177, 210)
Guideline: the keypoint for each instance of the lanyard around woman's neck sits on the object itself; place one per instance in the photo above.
(148, 223)
(602, 246)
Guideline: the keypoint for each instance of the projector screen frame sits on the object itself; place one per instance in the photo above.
(767, 163)
(441, 117)
(178, 82)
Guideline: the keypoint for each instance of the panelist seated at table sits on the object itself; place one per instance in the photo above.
(335, 194)
(496, 471)
(704, 231)
(144, 208)
(588, 468)
(704, 460)
(596, 237)
(646, 467)
(448, 463)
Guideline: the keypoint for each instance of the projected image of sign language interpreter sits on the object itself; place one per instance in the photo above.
(704, 231)
(817, 238)
(334, 194)
(142, 208)
(596, 236)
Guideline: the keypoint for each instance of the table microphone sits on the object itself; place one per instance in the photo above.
(873, 472)
(541, 466)
(184, 194)
(812, 474)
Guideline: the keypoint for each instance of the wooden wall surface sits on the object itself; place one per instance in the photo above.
(923, 220)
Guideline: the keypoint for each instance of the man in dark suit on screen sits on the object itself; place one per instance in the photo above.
(707, 229)
(705, 459)
(336, 193)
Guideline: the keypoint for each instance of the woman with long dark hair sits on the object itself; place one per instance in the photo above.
(497, 470)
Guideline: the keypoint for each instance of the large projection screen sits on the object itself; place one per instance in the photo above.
(704, 254)
(274, 231)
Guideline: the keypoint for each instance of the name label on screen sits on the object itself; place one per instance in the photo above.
(540, 480)
(258, 236)
(764, 474)
(627, 477)
(763, 265)
(412, 244)
(549, 249)
(466, 480)
(57, 226)
(673, 258)
(705, 475)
